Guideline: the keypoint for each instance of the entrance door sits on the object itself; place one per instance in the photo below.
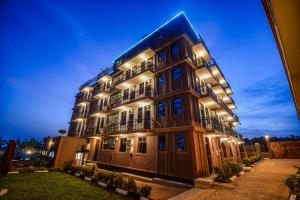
(208, 155)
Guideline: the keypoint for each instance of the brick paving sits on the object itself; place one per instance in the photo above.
(265, 182)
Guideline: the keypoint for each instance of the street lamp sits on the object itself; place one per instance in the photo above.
(268, 145)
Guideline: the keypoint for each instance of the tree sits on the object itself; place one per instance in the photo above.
(3, 142)
(62, 132)
(5, 163)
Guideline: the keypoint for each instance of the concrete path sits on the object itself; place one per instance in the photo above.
(265, 182)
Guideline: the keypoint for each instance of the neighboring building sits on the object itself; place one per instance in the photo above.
(284, 18)
(163, 108)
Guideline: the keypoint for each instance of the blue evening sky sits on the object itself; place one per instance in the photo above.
(49, 48)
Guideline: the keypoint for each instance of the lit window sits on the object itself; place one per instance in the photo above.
(123, 144)
(142, 145)
(176, 74)
(161, 80)
(162, 143)
(109, 144)
(161, 109)
(177, 105)
(180, 142)
(161, 56)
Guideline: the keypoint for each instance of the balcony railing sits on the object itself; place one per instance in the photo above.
(131, 126)
(98, 90)
(82, 98)
(78, 114)
(95, 108)
(216, 124)
(132, 96)
(133, 72)
(94, 131)
(205, 91)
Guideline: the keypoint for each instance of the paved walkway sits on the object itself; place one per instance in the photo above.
(265, 182)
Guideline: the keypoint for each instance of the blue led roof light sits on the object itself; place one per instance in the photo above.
(159, 28)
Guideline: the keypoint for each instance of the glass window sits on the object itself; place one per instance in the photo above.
(123, 118)
(123, 144)
(140, 115)
(180, 142)
(162, 142)
(109, 144)
(176, 73)
(161, 109)
(161, 80)
(161, 56)
(142, 145)
(177, 105)
(175, 50)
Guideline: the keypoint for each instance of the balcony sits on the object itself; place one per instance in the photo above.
(100, 92)
(217, 73)
(134, 76)
(77, 115)
(82, 98)
(138, 125)
(93, 132)
(98, 109)
(133, 98)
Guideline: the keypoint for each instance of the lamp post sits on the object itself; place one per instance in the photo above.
(267, 138)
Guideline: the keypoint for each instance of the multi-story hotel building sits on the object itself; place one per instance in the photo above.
(163, 108)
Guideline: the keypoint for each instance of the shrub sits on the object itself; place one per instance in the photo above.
(118, 181)
(88, 171)
(107, 178)
(68, 165)
(221, 175)
(293, 182)
(131, 185)
(235, 167)
(145, 191)
(26, 169)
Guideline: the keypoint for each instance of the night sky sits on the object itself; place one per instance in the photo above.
(49, 48)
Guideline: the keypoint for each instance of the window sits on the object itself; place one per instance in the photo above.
(161, 109)
(177, 105)
(142, 145)
(123, 118)
(176, 74)
(123, 144)
(109, 144)
(140, 115)
(180, 142)
(175, 50)
(161, 80)
(162, 142)
(125, 94)
(161, 56)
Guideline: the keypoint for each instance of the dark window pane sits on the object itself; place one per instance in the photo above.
(123, 118)
(142, 144)
(109, 143)
(176, 74)
(162, 143)
(180, 142)
(140, 115)
(161, 56)
(161, 80)
(175, 50)
(161, 109)
(177, 106)
(123, 143)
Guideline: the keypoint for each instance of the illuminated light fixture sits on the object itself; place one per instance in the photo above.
(127, 65)
(222, 81)
(222, 113)
(126, 85)
(142, 56)
(267, 137)
(142, 104)
(143, 78)
(122, 136)
(156, 30)
(104, 78)
(218, 91)
(215, 72)
(82, 104)
(226, 98)
(123, 108)
(209, 103)
(201, 54)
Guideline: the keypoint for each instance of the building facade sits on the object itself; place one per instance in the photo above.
(163, 108)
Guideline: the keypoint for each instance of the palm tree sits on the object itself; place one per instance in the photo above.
(62, 132)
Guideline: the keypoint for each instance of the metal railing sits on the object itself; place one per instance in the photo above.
(82, 98)
(133, 72)
(98, 90)
(132, 96)
(131, 126)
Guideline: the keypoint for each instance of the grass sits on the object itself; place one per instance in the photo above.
(50, 186)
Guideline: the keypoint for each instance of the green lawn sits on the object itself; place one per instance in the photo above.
(52, 185)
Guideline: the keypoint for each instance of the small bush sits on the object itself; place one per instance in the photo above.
(145, 191)
(221, 175)
(235, 167)
(118, 181)
(131, 185)
(88, 171)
